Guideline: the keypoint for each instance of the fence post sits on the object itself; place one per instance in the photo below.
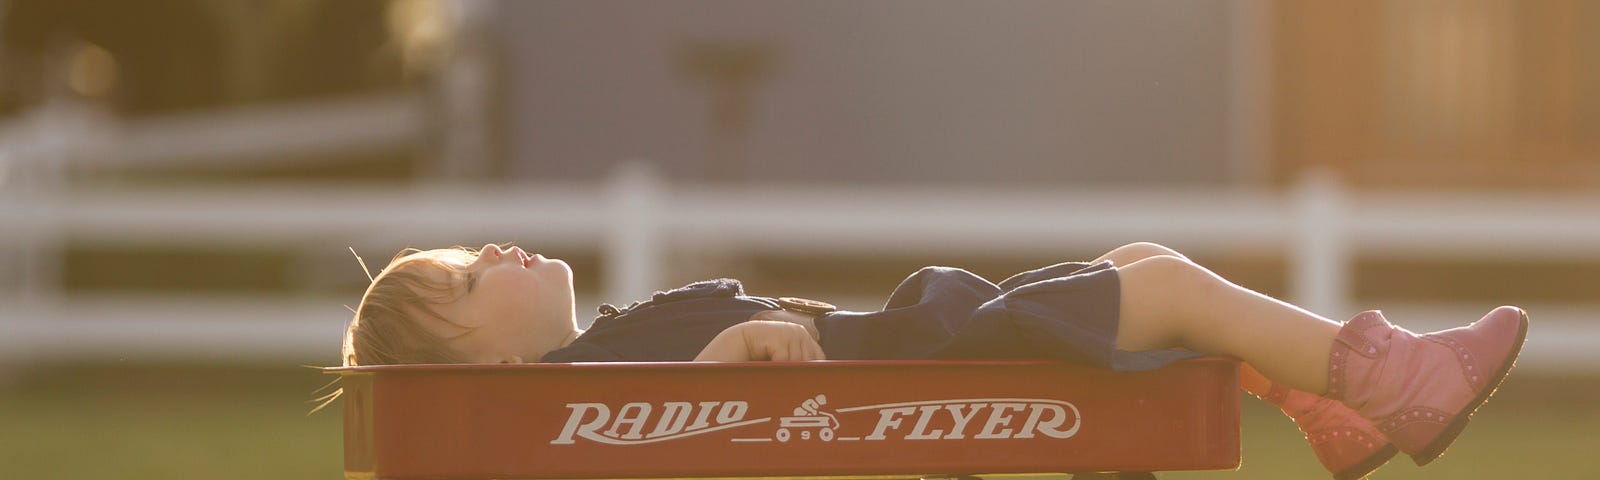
(632, 249)
(13, 238)
(1319, 255)
(48, 136)
(464, 81)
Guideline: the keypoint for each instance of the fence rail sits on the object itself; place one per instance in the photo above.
(636, 221)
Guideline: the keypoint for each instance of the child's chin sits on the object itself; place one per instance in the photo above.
(554, 275)
(556, 265)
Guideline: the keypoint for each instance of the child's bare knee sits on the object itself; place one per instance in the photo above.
(1150, 249)
(1165, 267)
(1137, 251)
(1165, 278)
(1187, 289)
(1179, 280)
(1156, 295)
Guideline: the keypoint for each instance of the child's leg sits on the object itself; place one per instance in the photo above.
(1249, 378)
(1418, 390)
(1168, 301)
(1252, 380)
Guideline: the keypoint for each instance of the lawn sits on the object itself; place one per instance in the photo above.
(1533, 428)
(180, 422)
(166, 423)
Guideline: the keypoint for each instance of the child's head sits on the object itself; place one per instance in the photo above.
(459, 305)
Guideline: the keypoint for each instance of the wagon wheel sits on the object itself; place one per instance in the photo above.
(783, 435)
(826, 434)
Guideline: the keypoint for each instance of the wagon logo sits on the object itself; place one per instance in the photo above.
(808, 415)
(673, 421)
(813, 420)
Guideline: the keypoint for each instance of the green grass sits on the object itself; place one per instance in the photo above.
(166, 424)
(180, 422)
(1542, 428)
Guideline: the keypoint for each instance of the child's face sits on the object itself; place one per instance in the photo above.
(520, 305)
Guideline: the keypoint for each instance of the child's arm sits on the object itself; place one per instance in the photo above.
(762, 340)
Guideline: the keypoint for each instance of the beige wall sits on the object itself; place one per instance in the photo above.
(915, 91)
(1488, 93)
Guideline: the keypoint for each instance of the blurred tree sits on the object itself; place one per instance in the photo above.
(182, 54)
(164, 56)
(168, 56)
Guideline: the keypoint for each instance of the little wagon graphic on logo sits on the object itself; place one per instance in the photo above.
(808, 417)
(951, 419)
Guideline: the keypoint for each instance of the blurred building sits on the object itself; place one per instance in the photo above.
(1058, 93)
(431, 103)
(1498, 94)
(1054, 93)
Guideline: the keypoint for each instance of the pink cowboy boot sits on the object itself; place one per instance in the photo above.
(1420, 390)
(1347, 445)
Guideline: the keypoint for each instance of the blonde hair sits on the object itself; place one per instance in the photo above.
(387, 328)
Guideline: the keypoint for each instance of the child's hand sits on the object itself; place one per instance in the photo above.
(797, 318)
(762, 340)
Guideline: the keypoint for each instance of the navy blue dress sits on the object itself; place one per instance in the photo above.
(1066, 311)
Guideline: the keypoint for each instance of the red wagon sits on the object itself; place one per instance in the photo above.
(765, 419)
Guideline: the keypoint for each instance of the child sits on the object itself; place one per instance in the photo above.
(1360, 390)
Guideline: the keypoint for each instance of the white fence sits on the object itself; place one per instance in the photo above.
(636, 221)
